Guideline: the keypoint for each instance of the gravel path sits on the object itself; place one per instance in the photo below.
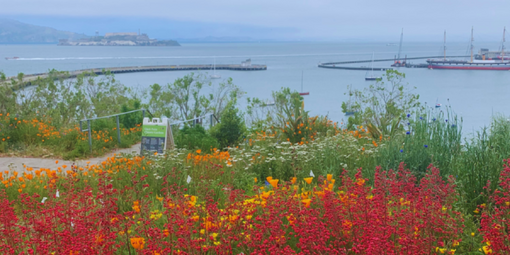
(16, 164)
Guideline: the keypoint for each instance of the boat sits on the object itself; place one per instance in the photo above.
(372, 77)
(303, 93)
(397, 62)
(438, 105)
(11, 58)
(500, 64)
(214, 75)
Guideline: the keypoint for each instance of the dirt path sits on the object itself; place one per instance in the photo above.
(36, 163)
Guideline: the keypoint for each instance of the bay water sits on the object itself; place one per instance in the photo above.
(474, 95)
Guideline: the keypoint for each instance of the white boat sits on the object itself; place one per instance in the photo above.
(215, 75)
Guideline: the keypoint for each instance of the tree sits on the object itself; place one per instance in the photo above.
(186, 97)
(383, 106)
(231, 127)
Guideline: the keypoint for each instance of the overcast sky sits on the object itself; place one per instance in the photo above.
(379, 20)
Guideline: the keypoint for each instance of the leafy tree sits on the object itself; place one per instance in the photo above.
(383, 106)
(231, 128)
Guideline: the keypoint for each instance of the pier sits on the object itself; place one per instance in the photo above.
(27, 79)
(338, 65)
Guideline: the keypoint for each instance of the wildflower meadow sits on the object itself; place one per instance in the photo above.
(287, 183)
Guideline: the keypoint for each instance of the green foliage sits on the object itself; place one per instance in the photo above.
(382, 106)
(428, 138)
(130, 120)
(481, 162)
(231, 128)
(194, 138)
(186, 98)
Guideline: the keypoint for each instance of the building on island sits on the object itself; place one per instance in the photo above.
(118, 39)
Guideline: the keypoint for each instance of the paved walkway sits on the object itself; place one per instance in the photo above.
(10, 163)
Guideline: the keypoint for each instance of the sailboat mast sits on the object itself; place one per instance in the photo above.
(503, 45)
(472, 44)
(400, 46)
(444, 46)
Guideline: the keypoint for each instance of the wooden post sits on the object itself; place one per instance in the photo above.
(118, 129)
(90, 136)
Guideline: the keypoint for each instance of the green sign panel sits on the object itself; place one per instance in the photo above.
(154, 135)
(154, 131)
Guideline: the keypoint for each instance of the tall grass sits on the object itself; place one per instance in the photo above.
(430, 138)
(481, 161)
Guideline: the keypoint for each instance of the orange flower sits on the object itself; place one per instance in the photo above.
(255, 179)
(137, 242)
(269, 178)
(329, 177)
(308, 180)
(306, 202)
(136, 206)
(199, 151)
(274, 183)
(56, 161)
(293, 180)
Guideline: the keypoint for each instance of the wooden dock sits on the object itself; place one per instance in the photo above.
(28, 78)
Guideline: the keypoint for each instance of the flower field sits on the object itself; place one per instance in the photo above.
(39, 137)
(263, 197)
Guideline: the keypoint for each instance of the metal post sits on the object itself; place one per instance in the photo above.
(90, 136)
(143, 114)
(118, 129)
(210, 121)
(194, 122)
(81, 128)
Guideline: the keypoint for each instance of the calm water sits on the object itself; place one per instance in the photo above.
(474, 95)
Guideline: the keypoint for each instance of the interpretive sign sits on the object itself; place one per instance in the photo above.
(154, 135)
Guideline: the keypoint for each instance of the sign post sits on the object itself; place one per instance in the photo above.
(154, 135)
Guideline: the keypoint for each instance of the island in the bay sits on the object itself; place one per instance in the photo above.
(118, 39)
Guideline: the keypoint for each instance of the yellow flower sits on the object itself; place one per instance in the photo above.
(308, 180)
(455, 243)
(472, 233)
(360, 181)
(476, 211)
(444, 208)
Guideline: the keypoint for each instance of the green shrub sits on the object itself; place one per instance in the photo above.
(193, 138)
(231, 128)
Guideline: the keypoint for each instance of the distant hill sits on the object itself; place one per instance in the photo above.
(12, 31)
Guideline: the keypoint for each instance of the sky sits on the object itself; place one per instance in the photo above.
(329, 20)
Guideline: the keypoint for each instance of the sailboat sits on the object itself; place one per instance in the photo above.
(214, 75)
(472, 64)
(303, 93)
(372, 77)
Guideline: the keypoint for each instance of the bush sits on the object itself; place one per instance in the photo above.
(231, 128)
(196, 137)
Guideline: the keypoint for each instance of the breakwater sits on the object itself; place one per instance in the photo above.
(338, 65)
(29, 78)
